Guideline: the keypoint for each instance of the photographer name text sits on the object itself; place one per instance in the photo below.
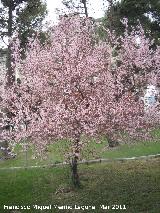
(64, 207)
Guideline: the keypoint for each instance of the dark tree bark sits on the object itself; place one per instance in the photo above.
(112, 143)
(10, 72)
(74, 161)
(84, 2)
(74, 170)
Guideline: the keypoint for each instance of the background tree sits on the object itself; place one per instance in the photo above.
(25, 14)
(146, 11)
(73, 93)
(29, 21)
(74, 6)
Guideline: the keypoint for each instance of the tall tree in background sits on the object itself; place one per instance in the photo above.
(74, 6)
(29, 21)
(146, 11)
(25, 14)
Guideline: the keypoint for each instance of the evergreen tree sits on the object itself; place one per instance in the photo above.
(146, 11)
(77, 7)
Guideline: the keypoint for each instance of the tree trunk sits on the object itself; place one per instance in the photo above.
(10, 72)
(74, 160)
(110, 15)
(74, 171)
(84, 2)
(111, 141)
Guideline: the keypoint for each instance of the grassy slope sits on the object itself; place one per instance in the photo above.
(135, 184)
(56, 151)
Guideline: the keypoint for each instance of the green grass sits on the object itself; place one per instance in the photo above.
(133, 150)
(93, 150)
(135, 184)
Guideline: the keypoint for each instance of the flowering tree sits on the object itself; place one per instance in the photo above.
(134, 65)
(69, 89)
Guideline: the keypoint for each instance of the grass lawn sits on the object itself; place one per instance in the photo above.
(93, 150)
(135, 184)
